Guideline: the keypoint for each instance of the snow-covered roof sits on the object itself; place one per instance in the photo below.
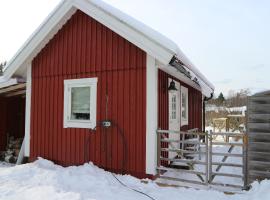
(157, 37)
(151, 41)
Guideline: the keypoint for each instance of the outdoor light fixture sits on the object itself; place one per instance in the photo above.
(172, 87)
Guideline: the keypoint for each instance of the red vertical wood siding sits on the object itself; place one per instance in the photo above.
(85, 48)
(194, 107)
(194, 104)
(12, 119)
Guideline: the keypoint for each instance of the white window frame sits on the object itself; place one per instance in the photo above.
(174, 123)
(174, 107)
(84, 82)
(184, 121)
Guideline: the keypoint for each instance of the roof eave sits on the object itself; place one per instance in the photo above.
(183, 67)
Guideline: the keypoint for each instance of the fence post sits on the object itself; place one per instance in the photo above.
(210, 156)
(199, 145)
(245, 167)
(158, 149)
(206, 159)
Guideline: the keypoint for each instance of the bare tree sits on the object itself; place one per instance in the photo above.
(238, 98)
(2, 65)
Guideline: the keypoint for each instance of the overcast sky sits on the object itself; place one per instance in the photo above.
(228, 40)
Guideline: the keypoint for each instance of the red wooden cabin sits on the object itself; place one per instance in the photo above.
(97, 89)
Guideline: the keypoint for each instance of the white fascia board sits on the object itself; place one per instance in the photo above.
(157, 46)
(28, 112)
(175, 73)
(128, 32)
(40, 37)
(181, 56)
(151, 114)
(6, 83)
(204, 88)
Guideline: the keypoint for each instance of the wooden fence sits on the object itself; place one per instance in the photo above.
(258, 127)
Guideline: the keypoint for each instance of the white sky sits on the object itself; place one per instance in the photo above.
(228, 40)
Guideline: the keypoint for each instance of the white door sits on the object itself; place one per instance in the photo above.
(174, 116)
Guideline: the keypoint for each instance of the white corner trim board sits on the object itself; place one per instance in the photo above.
(151, 115)
(28, 111)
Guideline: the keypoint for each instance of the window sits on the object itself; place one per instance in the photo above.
(80, 103)
(184, 106)
(173, 106)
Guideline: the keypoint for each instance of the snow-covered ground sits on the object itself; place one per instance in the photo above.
(5, 165)
(217, 109)
(45, 180)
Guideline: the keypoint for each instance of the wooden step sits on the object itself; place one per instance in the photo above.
(181, 141)
(227, 185)
(180, 170)
(181, 180)
(183, 161)
(182, 151)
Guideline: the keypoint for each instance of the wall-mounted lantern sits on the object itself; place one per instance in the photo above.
(172, 87)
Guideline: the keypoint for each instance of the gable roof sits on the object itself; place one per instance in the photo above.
(151, 41)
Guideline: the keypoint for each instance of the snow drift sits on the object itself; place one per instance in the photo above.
(45, 180)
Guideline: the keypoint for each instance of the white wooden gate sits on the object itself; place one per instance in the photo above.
(198, 161)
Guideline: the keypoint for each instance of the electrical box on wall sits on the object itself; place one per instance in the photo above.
(106, 123)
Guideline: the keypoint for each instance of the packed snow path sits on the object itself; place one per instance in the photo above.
(45, 180)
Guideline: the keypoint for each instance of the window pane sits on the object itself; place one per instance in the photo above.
(173, 107)
(80, 103)
(184, 105)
